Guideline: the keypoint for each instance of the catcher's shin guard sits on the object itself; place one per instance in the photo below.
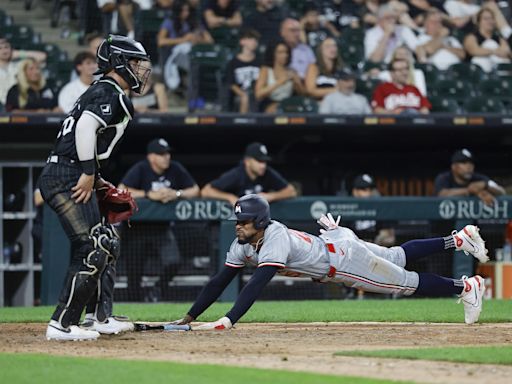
(101, 303)
(81, 284)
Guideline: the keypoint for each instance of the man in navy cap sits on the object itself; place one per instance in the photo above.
(162, 180)
(462, 180)
(252, 175)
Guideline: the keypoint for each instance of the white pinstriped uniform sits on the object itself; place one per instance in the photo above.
(337, 255)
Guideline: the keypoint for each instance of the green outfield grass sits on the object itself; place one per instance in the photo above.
(408, 310)
(467, 354)
(31, 369)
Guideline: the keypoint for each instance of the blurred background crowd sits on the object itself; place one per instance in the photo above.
(326, 56)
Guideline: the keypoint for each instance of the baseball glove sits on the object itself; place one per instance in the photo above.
(116, 204)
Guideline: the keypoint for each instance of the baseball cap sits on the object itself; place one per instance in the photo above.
(462, 156)
(345, 74)
(363, 181)
(158, 146)
(257, 151)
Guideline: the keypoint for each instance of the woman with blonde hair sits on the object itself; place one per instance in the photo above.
(320, 76)
(416, 76)
(31, 92)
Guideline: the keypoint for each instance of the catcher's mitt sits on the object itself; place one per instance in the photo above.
(116, 204)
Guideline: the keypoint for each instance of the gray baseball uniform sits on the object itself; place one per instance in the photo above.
(337, 255)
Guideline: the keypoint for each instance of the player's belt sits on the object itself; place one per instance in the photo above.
(60, 160)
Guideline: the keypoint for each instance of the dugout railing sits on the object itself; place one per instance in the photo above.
(203, 231)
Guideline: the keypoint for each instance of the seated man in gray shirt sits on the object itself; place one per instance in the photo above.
(345, 101)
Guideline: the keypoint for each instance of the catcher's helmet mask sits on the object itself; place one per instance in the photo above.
(115, 53)
(253, 208)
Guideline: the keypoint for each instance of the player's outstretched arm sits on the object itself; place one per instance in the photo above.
(245, 300)
(210, 293)
(251, 291)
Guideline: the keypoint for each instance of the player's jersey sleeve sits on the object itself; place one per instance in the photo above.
(276, 247)
(235, 257)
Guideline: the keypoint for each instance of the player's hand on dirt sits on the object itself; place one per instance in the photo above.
(82, 191)
(221, 324)
(328, 223)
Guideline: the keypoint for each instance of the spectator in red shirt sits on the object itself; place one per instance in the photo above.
(397, 96)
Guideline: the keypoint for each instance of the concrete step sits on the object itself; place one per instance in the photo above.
(39, 17)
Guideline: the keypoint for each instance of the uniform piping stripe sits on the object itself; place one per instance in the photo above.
(114, 84)
(124, 107)
(234, 265)
(375, 283)
(271, 264)
(100, 120)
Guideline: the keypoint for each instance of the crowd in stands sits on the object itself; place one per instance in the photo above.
(256, 55)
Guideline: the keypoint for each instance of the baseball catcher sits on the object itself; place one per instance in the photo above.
(337, 255)
(87, 138)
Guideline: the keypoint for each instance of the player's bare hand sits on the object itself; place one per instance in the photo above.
(82, 191)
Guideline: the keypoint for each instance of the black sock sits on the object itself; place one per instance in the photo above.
(417, 249)
(435, 285)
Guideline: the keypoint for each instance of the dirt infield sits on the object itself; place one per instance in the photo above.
(295, 347)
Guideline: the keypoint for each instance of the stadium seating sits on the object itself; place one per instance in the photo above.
(207, 66)
(485, 104)
(496, 87)
(351, 53)
(147, 25)
(20, 35)
(5, 20)
(444, 104)
(504, 70)
(455, 89)
(366, 87)
(467, 72)
(298, 104)
(225, 36)
(432, 74)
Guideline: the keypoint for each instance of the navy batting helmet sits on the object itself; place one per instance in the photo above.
(255, 208)
(114, 53)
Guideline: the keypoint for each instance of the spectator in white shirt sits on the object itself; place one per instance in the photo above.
(381, 41)
(85, 66)
(436, 46)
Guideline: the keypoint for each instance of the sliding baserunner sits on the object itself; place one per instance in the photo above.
(337, 255)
